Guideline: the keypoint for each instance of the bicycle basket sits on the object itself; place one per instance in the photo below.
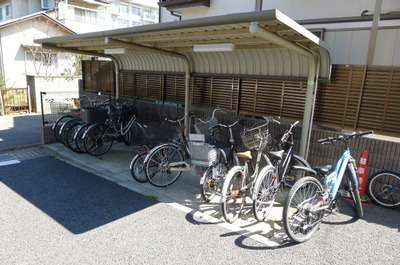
(251, 138)
(92, 115)
(205, 127)
(199, 153)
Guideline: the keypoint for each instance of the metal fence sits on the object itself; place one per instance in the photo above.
(14, 100)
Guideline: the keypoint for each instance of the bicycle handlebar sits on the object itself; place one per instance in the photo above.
(343, 138)
(212, 116)
(190, 113)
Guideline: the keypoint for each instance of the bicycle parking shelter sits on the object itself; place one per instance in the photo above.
(265, 44)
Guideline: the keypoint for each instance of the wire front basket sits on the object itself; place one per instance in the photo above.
(256, 137)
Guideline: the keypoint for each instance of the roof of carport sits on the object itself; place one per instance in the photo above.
(267, 43)
(253, 55)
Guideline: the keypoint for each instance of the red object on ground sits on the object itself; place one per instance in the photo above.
(362, 172)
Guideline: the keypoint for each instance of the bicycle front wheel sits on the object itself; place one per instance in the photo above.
(352, 182)
(127, 136)
(232, 196)
(57, 126)
(384, 188)
(138, 167)
(78, 137)
(159, 171)
(70, 137)
(211, 181)
(97, 140)
(264, 193)
(301, 217)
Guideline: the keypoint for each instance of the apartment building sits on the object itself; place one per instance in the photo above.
(95, 15)
(21, 21)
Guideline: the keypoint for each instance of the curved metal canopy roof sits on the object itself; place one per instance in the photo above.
(266, 44)
(253, 55)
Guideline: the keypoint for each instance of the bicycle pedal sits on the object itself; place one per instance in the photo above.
(345, 193)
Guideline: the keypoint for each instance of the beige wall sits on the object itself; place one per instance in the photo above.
(13, 38)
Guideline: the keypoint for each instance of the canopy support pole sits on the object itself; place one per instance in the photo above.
(186, 61)
(311, 81)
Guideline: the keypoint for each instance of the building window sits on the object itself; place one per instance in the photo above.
(123, 9)
(5, 12)
(46, 59)
(45, 4)
(123, 23)
(84, 15)
(136, 11)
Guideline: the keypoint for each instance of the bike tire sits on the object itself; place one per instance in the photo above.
(157, 165)
(264, 193)
(65, 128)
(300, 224)
(355, 192)
(232, 198)
(127, 137)
(70, 137)
(78, 137)
(379, 189)
(212, 179)
(57, 126)
(96, 140)
(137, 167)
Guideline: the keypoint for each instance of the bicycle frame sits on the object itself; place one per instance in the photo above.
(334, 179)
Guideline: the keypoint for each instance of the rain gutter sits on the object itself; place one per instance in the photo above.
(313, 70)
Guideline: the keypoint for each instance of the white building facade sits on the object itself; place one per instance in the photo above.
(22, 21)
(349, 27)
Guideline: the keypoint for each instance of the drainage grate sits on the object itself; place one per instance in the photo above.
(28, 154)
(6, 157)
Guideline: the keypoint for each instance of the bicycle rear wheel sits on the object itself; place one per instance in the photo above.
(97, 140)
(264, 193)
(384, 188)
(299, 219)
(158, 170)
(232, 196)
(137, 167)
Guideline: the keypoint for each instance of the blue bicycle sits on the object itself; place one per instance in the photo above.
(384, 188)
(309, 199)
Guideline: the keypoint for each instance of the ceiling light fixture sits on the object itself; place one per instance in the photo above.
(219, 47)
(115, 51)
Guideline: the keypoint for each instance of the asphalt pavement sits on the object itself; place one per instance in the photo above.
(59, 207)
(20, 131)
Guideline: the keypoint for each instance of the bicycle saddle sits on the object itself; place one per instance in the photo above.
(277, 154)
(245, 155)
(323, 169)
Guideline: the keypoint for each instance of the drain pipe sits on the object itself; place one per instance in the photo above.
(186, 61)
(311, 81)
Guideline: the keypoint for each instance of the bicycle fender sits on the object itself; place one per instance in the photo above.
(157, 147)
(307, 169)
(302, 160)
(227, 178)
(90, 127)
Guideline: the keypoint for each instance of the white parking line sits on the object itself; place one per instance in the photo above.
(9, 162)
